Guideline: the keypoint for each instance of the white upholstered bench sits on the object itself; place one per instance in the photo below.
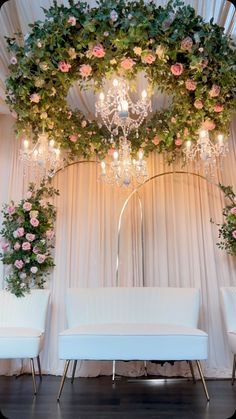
(140, 323)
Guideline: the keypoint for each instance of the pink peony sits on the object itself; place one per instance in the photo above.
(20, 232)
(177, 69)
(26, 246)
(148, 58)
(73, 138)
(34, 269)
(30, 237)
(215, 91)
(234, 234)
(34, 222)
(218, 107)
(127, 63)
(233, 210)
(35, 98)
(64, 67)
(27, 206)
(11, 210)
(72, 20)
(40, 258)
(5, 246)
(85, 70)
(29, 194)
(190, 85)
(98, 51)
(17, 246)
(208, 125)
(198, 104)
(187, 44)
(156, 140)
(178, 141)
(49, 234)
(19, 264)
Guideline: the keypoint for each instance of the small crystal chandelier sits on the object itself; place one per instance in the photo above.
(120, 116)
(206, 151)
(42, 157)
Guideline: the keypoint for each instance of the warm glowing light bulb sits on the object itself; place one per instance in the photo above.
(203, 133)
(188, 144)
(115, 155)
(101, 96)
(115, 82)
(144, 94)
(220, 139)
(140, 154)
(26, 144)
(35, 153)
(51, 143)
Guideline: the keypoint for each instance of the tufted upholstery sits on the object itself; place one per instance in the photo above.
(132, 324)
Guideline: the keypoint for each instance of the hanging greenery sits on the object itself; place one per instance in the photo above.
(180, 54)
(28, 238)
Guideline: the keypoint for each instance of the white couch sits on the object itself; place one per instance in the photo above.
(22, 326)
(149, 323)
(228, 303)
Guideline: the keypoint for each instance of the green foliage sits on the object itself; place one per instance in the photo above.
(27, 232)
(120, 28)
(227, 230)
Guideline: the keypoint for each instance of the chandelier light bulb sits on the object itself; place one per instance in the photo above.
(188, 144)
(220, 139)
(103, 167)
(102, 97)
(202, 133)
(140, 154)
(26, 144)
(115, 155)
(51, 143)
(144, 94)
(115, 82)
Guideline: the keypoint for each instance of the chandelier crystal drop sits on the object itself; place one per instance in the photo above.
(121, 115)
(205, 151)
(42, 157)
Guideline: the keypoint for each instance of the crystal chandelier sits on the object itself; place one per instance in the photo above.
(42, 157)
(121, 116)
(206, 151)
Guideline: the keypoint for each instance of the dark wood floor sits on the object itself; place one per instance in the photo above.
(133, 399)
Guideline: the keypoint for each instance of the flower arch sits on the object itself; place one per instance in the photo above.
(179, 53)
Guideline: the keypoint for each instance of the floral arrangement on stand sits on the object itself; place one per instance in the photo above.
(183, 56)
(28, 237)
(227, 230)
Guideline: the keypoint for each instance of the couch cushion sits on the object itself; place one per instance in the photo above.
(133, 341)
(20, 342)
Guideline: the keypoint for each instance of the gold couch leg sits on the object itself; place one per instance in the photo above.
(192, 371)
(73, 372)
(63, 379)
(203, 379)
(33, 375)
(233, 371)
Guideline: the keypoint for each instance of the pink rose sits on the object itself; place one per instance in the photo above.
(127, 63)
(208, 125)
(30, 237)
(234, 234)
(148, 58)
(190, 85)
(27, 206)
(26, 246)
(36, 250)
(178, 141)
(73, 138)
(85, 70)
(177, 69)
(35, 98)
(11, 210)
(5, 246)
(17, 246)
(72, 20)
(198, 104)
(34, 222)
(29, 195)
(64, 67)
(233, 210)
(34, 269)
(218, 107)
(215, 91)
(98, 51)
(19, 264)
(187, 44)
(49, 234)
(13, 60)
(43, 203)
(40, 258)
(156, 140)
(20, 232)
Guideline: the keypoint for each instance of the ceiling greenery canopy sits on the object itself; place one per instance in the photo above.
(180, 54)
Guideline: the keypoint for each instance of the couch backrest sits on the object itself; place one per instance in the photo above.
(228, 302)
(29, 311)
(133, 305)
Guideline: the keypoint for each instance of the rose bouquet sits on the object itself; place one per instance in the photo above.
(227, 231)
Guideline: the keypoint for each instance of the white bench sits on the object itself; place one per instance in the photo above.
(150, 323)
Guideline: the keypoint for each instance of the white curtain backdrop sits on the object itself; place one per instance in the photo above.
(179, 242)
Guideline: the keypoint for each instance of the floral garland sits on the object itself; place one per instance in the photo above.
(28, 239)
(227, 231)
(182, 55)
